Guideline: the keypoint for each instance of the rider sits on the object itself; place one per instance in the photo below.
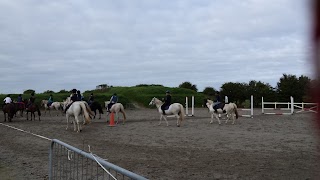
(167, 102)
(31, 100)
(19, 98)
(217, 102)
(91, 99)
(73, 99)
(113, 100)
(79, 96)
(50, 100)
(7, 100)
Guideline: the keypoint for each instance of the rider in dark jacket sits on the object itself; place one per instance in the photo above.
(167, 102)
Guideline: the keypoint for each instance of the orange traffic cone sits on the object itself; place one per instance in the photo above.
(111, 122)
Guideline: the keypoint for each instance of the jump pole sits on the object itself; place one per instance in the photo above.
(275, 107)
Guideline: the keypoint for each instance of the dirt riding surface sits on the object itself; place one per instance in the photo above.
(265, 147)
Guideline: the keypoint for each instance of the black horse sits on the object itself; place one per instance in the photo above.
(96, 106)
(10, 110)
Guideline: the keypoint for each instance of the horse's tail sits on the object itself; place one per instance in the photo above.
(236, 110)
(182, 113)
(85, 112)
(89, 109)
(124, 114)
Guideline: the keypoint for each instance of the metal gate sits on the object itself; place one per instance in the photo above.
(68, 162)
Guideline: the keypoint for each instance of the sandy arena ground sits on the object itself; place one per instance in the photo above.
(265, 147)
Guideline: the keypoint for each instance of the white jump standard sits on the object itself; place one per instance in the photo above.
(251, 109)
(192, 106)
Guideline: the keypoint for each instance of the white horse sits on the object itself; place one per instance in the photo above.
(55, 105)
(77, 109)
(229, 109)
(116, 108)
(175, 109)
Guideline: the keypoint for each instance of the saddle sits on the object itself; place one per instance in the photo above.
(219, 105)
(166, 107)
(49, 104)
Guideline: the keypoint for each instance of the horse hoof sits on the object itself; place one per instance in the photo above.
(178, 125)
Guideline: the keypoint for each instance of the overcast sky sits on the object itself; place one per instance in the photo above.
(62, 44)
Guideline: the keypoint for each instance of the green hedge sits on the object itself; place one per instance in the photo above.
(140, 95)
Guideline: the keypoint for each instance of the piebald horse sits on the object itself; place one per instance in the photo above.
(77, 109)
(116, 108)
(175, 109)
(229, 109)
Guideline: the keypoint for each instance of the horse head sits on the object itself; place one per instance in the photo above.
(152, 102)
(43, 102)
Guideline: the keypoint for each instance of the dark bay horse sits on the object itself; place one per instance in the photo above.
(8, 109)
(32, 108)
(20, 106)
(96, 106)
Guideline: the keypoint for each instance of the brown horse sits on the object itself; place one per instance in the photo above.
(8, 109)
(32, 107)
(20, 106)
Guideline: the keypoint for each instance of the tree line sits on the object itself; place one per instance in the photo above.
(239, 93)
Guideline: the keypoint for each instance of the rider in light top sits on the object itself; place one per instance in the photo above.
(7, 100)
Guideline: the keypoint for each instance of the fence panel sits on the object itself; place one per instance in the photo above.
(68, 162)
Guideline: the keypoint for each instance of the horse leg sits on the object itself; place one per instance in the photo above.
(160, 119)
(27, 115)
(233, 118)
(5, 118)
(164, 117)
(117, 115)
(67, 116)
(217, 117)
(228, 117)
(178, 120)
(78, 124)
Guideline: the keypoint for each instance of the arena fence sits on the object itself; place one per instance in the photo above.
(68, 162)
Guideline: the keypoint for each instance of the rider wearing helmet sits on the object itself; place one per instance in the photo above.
(91, 99)
(167, 102)
(73, 98)
(113, 100)
(32, 99)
